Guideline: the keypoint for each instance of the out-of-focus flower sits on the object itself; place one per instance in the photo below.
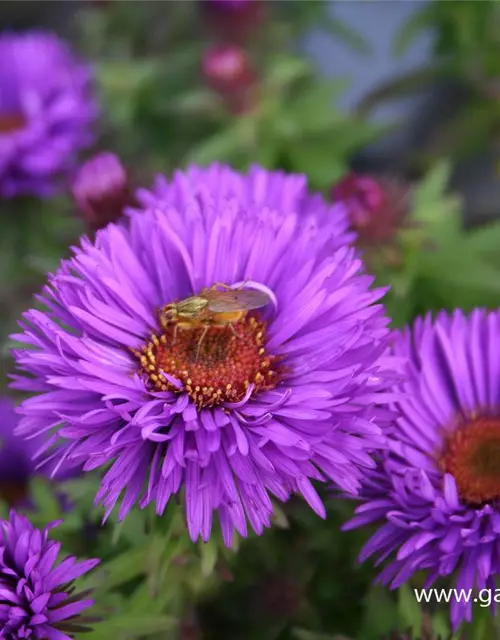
(229, 72)
(46, 110)
(436, 492)
(38, 599)
(16, 466)
(376, 206)
(101, 190)
(255, 406)
(16, 461)
(234, 20)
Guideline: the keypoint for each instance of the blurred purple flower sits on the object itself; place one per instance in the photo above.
(101, 190)
(296, 395)
(38, 599)
(16, 464)
(46, 109)
(436, 492)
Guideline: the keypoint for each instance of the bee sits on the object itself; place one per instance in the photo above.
(213, 308)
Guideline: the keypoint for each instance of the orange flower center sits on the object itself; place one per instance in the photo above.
(213, 364)
(10, 122)
(472, 456)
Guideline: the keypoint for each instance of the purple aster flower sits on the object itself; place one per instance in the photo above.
(37, 598)
(437, 490)
(101, 190)
(230, 408)
(45, 112)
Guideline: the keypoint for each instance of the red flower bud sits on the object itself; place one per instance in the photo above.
(228, 71)
(376, 206)
(101, 190)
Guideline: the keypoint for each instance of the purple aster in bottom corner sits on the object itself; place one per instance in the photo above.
(37, 598)
(436, 492)
(142, 364)
(47, 108)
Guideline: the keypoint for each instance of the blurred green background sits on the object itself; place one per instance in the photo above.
(168, 99)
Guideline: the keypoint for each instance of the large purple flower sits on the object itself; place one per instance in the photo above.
(36, 595)
(437, 491)
(46, 110)
(233, 412)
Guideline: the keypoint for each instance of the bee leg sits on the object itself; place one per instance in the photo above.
(176, 328)
(205, 331)
(231, 326)
(228, 287)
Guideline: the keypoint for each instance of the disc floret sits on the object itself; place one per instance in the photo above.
(213, 364)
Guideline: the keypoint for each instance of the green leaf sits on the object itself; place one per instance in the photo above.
(312, 111)
(417, 23)
(218, 147)
(340, 31)
(410, 612)
(132, 626)
(192, 102)
(209, 552)
(120, 570)
(380, 612)
(284, 70)
(48, 508)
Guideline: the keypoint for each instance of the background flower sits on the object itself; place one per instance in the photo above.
(314, 418)
(101, 190)
(436, 492)
(16, 466)
(46, 109)
(37, 598)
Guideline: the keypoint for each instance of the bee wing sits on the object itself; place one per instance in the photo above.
(226, 301)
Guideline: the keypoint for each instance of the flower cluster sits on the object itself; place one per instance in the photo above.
(46, 109)
(233, 404)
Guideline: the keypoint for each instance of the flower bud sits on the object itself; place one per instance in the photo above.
(101, 190)
(376, 206)
(228, 71)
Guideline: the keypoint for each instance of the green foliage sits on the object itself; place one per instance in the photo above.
(441, 266)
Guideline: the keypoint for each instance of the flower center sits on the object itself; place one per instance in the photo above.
(212, 363)
(472, 456)
(10, 122)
